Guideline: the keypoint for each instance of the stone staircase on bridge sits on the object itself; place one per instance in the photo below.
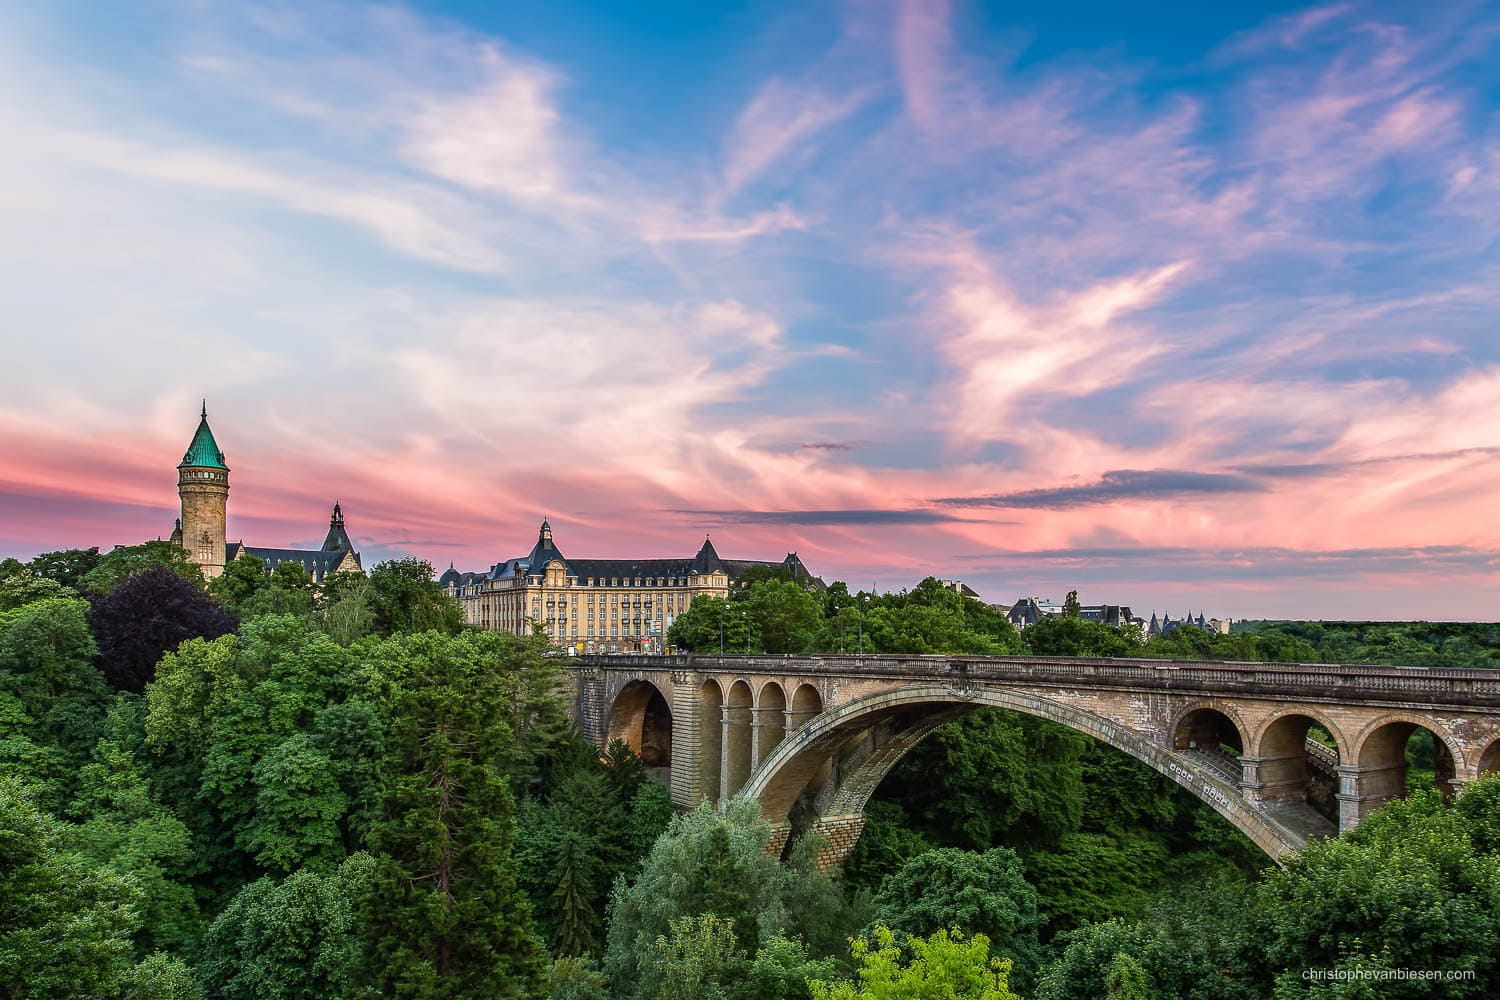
(1298, 817)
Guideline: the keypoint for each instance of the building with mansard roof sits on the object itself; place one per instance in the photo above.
(203, 488)
(599, 605)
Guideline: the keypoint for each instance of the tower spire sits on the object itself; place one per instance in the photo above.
(204, 412)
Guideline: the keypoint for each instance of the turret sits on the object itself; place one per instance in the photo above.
(203, 488)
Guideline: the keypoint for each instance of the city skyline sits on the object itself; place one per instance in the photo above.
(1193, 313)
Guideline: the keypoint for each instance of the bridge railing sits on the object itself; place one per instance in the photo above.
(1333, 681)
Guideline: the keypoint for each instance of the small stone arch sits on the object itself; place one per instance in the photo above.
(1290, 774)
(1340, 740)
(1381, 756)
(739, 708)
(641, 718)
(1444, 738)
(770, 718)
(1489, 759)
(807, 704)
(1213, 731)
(711, 728)
(905, 715)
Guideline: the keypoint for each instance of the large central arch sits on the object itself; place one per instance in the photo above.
(857, 744)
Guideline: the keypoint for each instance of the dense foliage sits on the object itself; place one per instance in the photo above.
(269, 788)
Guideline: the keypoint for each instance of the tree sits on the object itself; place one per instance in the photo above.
(784, 614)
(403, 597)
(700, 958)
(297, 939)
(241, 580)
(707, 863)
(347, 614)
(978, 894)
(66, 566)
(20, 587)
(125, 827)
(707, 622)
(65, 923)
(52, 697)
(125, 561)
(1126, 980)
(575, 899)
(148, 614)
(576, 979)
(446, 917)
(1405, 889)
(942, 965)
(1069, 635)
(297, 808)
(1071, 607)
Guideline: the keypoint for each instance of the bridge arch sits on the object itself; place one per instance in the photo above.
(641, 719)
(1489, 760)
(1313, 715)
(1205, 728)
(807, 704)
(770, 718)
(1380, 752)
(711, 748)
(873, 733)
(739, 708)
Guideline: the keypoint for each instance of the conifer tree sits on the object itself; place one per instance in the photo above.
(575, 913)
(446, 918)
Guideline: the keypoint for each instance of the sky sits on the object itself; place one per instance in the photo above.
(1184, 306)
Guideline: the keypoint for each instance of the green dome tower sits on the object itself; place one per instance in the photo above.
(203, 486)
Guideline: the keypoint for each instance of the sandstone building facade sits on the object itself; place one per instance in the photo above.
(203, 488)
(598, 605)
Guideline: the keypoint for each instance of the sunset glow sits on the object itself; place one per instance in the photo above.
(1200, 316)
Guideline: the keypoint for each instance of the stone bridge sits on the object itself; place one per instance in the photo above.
(1285, 752)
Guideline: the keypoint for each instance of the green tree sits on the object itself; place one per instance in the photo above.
(297, 939)
(1069, 635)
(404, 597)
(575, 898)
(979, 894)
(1071, 607)
(67, 566)
(1126, 980)
(446, 918)
(708, 863)
(1405, 888)
(298, 806)
(942, 965)
(241, 580)
(19, 587)
(699, 958)
(784, 615)
(576, 979)
(346, 613)
(160, 976)
(52, 697)
(65, 923)
(125, 561)
(706, 622)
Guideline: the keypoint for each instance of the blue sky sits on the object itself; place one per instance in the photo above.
(1177, 305)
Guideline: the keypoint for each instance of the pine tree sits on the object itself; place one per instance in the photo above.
(575, 915)
(446, 917)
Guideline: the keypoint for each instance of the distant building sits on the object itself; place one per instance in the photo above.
(960, 587)
(203, 488)
(600, 605)
(1029, 610)
(1166, 625)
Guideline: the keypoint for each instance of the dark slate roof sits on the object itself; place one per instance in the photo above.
(337, 539)
(319, 563)
(203, 451)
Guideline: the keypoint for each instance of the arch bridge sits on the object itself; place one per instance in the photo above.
(1285, 752)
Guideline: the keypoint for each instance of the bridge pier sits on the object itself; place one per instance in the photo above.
(840, 834)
